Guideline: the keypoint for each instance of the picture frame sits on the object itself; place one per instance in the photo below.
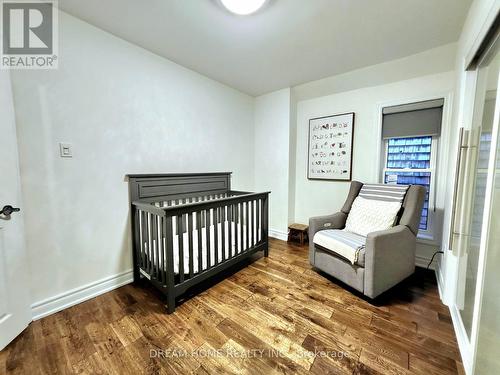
(330, 147)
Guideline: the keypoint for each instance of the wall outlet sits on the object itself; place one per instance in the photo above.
(66, 150)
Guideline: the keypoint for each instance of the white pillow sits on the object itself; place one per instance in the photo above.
(369, 215)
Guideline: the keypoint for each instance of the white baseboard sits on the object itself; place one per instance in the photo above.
(440, 283)
(462, 339)
(75, 296)
(279, 234)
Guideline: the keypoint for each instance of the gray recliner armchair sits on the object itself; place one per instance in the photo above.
(388, 256)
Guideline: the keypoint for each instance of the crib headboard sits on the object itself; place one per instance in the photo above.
(156, 187)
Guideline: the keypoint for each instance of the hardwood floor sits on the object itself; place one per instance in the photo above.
(270, 317)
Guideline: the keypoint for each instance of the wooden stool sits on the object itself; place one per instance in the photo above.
(298, 231)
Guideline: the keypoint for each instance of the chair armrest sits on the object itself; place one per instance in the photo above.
(335, 221)
(389, 258)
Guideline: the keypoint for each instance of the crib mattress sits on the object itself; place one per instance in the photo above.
(236, 247)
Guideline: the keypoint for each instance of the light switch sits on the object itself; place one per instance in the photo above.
(66, 150)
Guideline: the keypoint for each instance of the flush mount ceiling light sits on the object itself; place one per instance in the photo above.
(243, 7)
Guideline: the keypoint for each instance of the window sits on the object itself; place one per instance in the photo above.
(411, 161)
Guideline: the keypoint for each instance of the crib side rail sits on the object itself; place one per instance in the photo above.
(149, 229)
(237, 199)
(212, 236)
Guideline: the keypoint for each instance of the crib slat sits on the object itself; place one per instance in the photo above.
(170, 281)
(145, 243)
(251, 225)
(236, 230)
(247, 224)
(184, 217)
(216, 236)
(241, 212)
(141, 236)
(255, 221)
(223, 229)
(252, 218)
(247, 228)
(198, 227)
(180, 238)
(150, 239)
(156, 252)
(189, 230)
(230, 229)
(257, 218)
(242, 226)
(208, 223)
(163, 252)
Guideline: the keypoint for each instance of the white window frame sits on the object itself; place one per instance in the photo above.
(429, 234)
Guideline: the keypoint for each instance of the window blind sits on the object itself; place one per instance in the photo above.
(413, 120)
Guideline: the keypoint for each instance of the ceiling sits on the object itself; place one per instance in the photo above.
(286, 43)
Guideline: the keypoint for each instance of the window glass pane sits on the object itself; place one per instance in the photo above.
(409, 153)
(413, 178)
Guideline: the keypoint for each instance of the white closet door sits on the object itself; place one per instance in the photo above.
(478, 224)
(488, 341)
(15, 313)
(475, 204)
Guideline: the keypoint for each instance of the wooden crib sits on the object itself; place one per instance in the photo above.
(189, 227)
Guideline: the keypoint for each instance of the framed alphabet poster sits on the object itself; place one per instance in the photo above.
(330, 147)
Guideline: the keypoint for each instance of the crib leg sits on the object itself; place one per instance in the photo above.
(266, 251)
(137, 275)
(170, 304)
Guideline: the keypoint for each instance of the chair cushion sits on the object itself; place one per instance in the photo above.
(368, 215)
(347, 245)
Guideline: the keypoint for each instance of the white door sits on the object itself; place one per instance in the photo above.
(15, 314)
(476, 214)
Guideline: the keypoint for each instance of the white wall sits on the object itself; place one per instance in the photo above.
(272, 155)
(277, 110)
(313, 197)
(125, 110)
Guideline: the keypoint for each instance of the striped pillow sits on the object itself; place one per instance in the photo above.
(388, 193)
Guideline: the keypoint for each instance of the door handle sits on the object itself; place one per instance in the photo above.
(8, 210)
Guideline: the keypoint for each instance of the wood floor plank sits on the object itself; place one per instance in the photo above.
(244, 361)
(330, 354)
(381, 364)
(250, 340)
(378, 346)
(427, 342)
(104, 339)
(275, 333)
(127, 330)
(420, 366)
(277, 314)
